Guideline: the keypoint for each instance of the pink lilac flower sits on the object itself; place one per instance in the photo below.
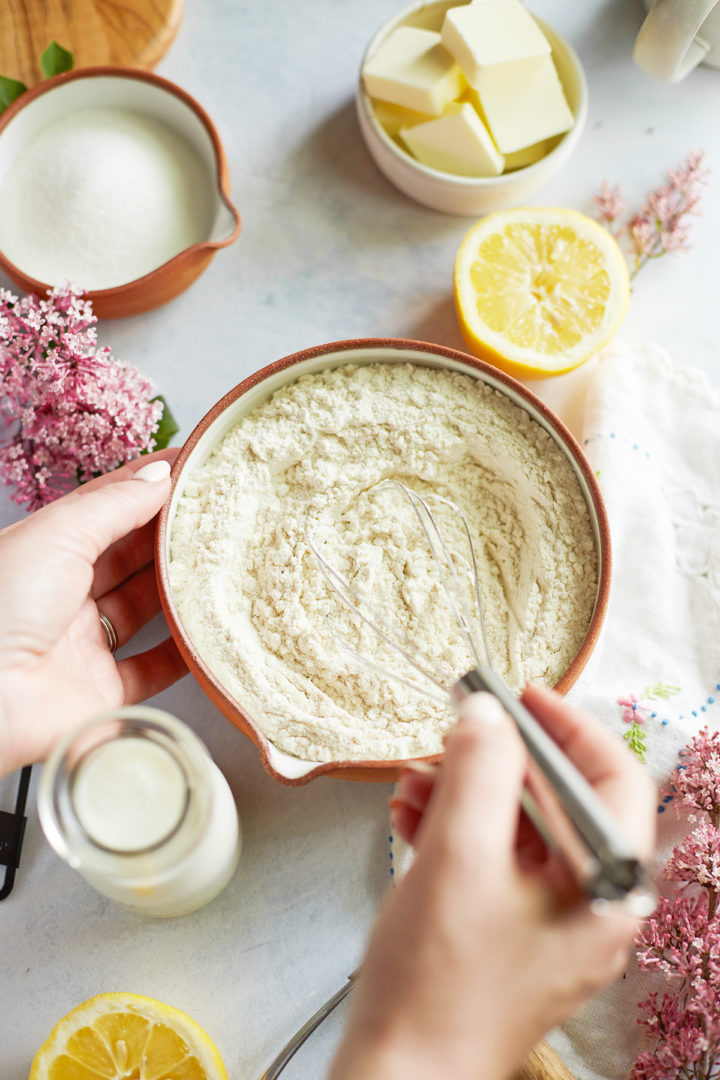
(610, 202)
(697, 858)
(669, 940)
(662, 226)
(77, 411)
(681, 939)
(680, 1042)
(697, 783)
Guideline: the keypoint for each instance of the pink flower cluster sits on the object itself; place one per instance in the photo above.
(662, 226)
(681, 940)
(76, 410)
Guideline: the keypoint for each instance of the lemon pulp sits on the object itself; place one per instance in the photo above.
(127, 1037)
(538, 291)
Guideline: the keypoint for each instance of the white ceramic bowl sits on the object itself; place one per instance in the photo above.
(462, 194)
(248, 396)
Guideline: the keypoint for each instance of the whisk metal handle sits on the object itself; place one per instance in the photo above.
(307, 1029)
(566, 808)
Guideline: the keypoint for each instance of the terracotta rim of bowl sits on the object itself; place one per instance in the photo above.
(371, 770)
(362, 101)
(222, 178)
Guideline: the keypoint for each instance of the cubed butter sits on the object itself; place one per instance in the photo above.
(458, 142)
(526, 108)
(413, 69)
(492, 34)
(520, 159)
(395, 117)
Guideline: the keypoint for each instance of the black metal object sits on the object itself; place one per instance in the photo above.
(12, 831)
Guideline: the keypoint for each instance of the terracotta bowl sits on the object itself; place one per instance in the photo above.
(468, 195)
(165, 102)
(256, 389)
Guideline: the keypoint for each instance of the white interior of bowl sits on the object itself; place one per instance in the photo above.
(429, 17)
(285, 764)
(123, 92)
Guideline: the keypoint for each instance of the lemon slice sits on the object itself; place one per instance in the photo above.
(127, 1037)
(539, 290)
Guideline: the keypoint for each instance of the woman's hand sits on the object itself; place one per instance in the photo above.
(483, 947)
(89, 552)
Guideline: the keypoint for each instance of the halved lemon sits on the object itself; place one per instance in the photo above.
(127, 1037)
(539, 290)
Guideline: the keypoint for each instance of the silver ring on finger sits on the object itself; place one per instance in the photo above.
(110, 632)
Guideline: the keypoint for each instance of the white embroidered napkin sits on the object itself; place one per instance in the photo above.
(652, 434)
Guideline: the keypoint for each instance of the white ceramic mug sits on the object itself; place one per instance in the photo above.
(676, 36)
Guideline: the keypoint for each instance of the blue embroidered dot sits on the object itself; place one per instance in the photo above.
(665, 723)
(667, 798)
(703, 708)
(392, 872)
(390, 839)
(661, 810)
(391, 855)
(635, 446)
(717, 686)
(653, 715)
(711, 701)
(694, 712)
(612, 436)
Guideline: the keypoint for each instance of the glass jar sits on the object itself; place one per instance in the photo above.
(133, 801)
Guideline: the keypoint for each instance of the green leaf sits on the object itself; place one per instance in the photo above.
(167, 426)
(55, 60)
(660, 690)
(636, 739)
(10, 90)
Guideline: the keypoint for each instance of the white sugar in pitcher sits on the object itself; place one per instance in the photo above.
(676, 36)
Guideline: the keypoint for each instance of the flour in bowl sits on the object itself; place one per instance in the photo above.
(305, 465)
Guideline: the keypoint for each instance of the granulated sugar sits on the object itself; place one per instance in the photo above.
(102, 196)
(304, 464)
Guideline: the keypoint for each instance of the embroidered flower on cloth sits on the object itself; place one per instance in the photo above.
(634, 713)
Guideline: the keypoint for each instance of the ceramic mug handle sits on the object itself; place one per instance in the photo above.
(667, 46)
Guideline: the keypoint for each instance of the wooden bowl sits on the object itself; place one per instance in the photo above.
(256, 389)
(162, 100)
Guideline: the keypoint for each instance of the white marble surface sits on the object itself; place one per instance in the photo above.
(328, 251)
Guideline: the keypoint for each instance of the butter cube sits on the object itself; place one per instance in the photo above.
(525, 108)
(412, 68)
(458, 142)
(519, 159)
(490, 35)
(395, 117)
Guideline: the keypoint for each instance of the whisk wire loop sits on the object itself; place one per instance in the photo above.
(373, 617)
(454, 592)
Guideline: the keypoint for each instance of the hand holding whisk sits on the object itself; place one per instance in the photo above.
(563, 806)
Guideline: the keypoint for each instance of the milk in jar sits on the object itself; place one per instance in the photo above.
(134, 802)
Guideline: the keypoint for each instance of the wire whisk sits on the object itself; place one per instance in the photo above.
(563, 806)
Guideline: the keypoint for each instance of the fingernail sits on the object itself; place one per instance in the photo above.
(482, 709)
(425, 768)
(154, 471)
